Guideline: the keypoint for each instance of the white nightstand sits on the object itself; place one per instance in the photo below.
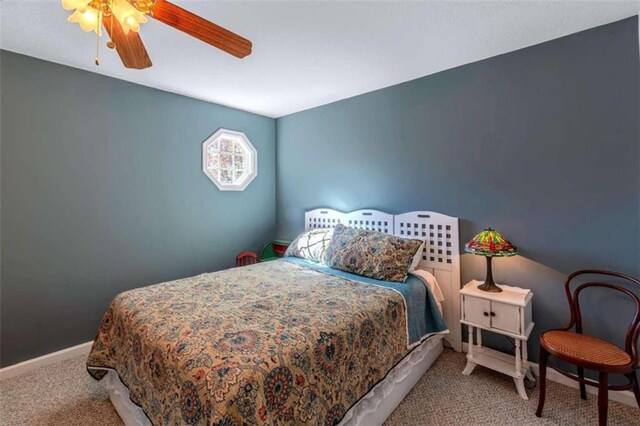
(507, 313)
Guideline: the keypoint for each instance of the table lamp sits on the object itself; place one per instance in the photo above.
(490, 243)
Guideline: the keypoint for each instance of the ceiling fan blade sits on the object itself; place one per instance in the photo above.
(185, 21)
(129, 46)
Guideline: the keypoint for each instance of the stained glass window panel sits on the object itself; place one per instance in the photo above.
(229, 160)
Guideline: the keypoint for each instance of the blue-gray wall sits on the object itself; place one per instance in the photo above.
(541, 143)
(102, 192)
(102, 189)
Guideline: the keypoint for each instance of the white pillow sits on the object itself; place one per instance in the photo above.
(417, 258)
(311, 245)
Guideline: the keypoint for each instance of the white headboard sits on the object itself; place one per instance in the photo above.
(441, 254)
(371, 220)
(322, 218)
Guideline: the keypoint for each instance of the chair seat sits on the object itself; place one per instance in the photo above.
(586, 348)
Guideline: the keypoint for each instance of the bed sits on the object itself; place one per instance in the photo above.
(283, 342)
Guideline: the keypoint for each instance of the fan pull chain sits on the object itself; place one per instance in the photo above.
(110, 43)
(97, 49)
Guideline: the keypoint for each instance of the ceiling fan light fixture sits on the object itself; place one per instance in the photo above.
(122, 18)
(128, 16)
(89, 19)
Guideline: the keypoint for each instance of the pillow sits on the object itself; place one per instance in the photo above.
(311, 245)
(417, 258)
(370, 254)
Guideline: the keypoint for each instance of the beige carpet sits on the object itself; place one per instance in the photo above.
(64, 394)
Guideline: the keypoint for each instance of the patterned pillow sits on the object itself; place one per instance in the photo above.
(371, 254)
(311, 245)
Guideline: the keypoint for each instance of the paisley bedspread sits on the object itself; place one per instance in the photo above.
(272, 343)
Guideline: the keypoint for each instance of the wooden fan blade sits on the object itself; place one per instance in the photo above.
(129, 46)
(185, 21)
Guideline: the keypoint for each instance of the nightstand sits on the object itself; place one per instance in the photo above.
(507, 313)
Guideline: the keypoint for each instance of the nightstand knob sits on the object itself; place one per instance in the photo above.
(486, 314)
(493, 314)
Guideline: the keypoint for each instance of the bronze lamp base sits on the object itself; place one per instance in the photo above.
(489, 285)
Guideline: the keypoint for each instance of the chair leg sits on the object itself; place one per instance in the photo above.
(583, 387)
(633, 377)
(544, 357)
(603, 398)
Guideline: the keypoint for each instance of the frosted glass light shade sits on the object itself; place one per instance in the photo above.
(129, 17)
(89, 20)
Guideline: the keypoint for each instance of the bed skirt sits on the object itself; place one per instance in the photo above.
(372, 409)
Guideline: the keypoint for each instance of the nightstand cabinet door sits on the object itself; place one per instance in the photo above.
(477, 311)
(505, 317)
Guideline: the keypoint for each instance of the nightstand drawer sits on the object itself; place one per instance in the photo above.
(477, 310)
(492, 314)
(505, 317)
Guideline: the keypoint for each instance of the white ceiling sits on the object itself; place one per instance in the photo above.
(307, 54)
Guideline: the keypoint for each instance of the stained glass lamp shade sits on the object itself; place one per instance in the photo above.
(490, 243)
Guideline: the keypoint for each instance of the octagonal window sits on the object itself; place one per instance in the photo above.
(229, 160)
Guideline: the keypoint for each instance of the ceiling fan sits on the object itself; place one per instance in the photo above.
(122, 19)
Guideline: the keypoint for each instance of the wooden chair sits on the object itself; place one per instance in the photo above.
(246, 258)
(589, 352)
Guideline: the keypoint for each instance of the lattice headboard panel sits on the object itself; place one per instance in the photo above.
(371, 220)
(441, 257)
(322, 218)
(441, 254)
(439, 232)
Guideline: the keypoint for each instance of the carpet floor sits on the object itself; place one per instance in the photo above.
(64, 394)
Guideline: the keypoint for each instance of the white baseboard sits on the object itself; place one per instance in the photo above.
(625, 397)
(41, 361)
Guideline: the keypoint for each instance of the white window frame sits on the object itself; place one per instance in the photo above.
(251, 165)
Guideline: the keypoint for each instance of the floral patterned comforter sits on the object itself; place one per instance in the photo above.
(272, 343)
